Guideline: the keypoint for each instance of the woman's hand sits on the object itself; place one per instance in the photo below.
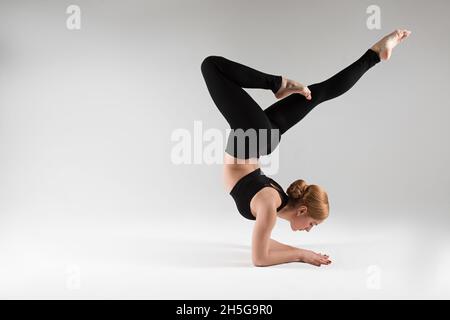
(316, 259)
(289, 87)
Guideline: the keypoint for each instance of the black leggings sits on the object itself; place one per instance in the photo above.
(225, 79)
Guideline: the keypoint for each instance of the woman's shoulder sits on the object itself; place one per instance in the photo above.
(267, 198)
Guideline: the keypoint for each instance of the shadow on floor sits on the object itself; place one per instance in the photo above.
(201, 254)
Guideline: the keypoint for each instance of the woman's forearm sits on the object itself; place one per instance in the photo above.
(275, 245)
(281, 255)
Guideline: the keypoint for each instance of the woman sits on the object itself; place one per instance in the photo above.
(257, 196)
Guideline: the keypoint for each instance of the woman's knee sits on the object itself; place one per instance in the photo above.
(209, 63)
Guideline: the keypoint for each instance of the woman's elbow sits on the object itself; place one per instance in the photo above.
(258, 264)
(259, 261)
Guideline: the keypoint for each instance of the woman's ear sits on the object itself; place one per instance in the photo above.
(303, 210)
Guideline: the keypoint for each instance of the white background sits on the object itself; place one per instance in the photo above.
(91, 205)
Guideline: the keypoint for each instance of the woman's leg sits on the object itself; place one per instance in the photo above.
(225, 79)
(286, 112)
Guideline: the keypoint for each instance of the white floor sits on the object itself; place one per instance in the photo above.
(200, 258)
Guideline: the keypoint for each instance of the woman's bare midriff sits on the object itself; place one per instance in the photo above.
(234, 169)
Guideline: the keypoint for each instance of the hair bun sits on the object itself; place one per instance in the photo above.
(297, 189)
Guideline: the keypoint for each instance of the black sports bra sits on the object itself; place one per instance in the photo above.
(244, 190)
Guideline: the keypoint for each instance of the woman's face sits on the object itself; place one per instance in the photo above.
(302, 221)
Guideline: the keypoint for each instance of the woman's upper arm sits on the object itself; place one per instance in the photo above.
(265, 221)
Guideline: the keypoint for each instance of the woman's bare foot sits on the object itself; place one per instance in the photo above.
(289, 87)
(384, 46)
